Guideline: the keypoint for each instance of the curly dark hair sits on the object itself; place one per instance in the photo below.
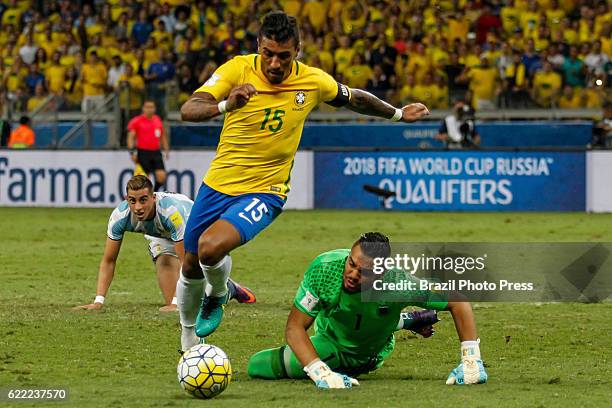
(374, 244)
(280, 27)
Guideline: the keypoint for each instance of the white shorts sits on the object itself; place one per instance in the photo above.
(160, 246)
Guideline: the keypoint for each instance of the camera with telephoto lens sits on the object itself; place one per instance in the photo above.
(466, 117)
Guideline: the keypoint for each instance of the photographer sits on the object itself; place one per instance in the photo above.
(458, 130)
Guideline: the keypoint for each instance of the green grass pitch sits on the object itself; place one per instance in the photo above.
(544, 355)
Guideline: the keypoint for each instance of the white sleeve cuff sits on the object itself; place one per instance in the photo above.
(470, 350)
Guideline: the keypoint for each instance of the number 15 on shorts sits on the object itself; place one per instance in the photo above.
(254, 211)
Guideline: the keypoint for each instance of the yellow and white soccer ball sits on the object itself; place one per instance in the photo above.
(204, 371)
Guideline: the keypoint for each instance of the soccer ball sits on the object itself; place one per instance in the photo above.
(204, 371)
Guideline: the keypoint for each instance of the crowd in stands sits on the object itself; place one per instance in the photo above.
(512, 53)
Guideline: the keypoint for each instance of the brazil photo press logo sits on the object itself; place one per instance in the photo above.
(516, 272)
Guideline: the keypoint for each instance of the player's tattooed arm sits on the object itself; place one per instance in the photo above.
(365, 103)
(201, 107)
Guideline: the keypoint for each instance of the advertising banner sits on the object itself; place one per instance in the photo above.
(452, 181)
(98, 178)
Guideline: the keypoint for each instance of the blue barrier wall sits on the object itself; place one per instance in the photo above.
(453, 181)
(391, 135)
(45, 133)
(422, 135)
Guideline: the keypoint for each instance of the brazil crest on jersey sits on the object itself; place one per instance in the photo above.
(259, 141)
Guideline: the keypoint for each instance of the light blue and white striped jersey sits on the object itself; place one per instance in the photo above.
(171, 213)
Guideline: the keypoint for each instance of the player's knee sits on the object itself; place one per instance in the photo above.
(165, 261)
(265, 365)
(253, 367)
(210, 250)
(191, 267)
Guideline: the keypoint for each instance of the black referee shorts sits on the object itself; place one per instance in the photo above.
(150, 160)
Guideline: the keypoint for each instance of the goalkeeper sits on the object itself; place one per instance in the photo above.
(353, 337)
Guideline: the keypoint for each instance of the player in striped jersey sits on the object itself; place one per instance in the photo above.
(161, 217)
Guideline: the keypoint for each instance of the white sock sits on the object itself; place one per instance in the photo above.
(400, 324)
(217, 276)
(189, 293)
(188, 337)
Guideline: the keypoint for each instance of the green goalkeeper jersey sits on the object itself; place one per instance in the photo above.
(356, 327)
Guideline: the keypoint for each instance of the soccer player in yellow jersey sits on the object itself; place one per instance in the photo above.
(266, 98)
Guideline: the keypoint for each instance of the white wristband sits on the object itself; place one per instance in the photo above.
(317, 369)
(470, 350)
(99, 299)
(397, 115)
(221, 106)
(317, 363)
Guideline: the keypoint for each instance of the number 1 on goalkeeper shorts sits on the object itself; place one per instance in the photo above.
(256, 214)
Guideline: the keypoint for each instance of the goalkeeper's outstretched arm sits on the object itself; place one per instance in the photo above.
(297, 336)
(299, 342)
(464, 320)
(471, 369)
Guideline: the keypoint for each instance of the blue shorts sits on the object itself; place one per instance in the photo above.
(248, 213)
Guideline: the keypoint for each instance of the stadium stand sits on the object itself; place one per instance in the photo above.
(380, 45)
(498, 54)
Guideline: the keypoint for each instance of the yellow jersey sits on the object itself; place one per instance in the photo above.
(343, 58)
(259, 141)
(546, 85)
(592, 98)
(575, 102)
(418, 65)
(554, 17)
(457, 29)
(316, 12)
(357, 76)
(94, 79)
(483, 82)
(407, 94)
(134, 94)
(55, 77)
(427, 94)
(606, 45)
(34, 102)
(510, 17)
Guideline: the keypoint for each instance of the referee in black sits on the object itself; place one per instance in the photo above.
(146, 136)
